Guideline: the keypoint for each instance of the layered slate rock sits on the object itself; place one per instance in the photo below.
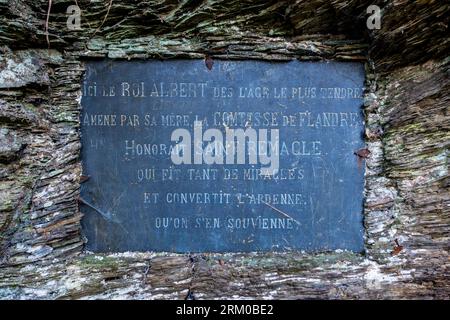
(407, 134)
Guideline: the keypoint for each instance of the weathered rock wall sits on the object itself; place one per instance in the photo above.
(406, 107)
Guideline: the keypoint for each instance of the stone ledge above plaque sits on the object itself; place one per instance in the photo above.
(139, 198)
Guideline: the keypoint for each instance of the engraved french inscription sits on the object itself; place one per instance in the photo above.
(247, 156)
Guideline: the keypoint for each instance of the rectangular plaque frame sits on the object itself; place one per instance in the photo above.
(316, 106)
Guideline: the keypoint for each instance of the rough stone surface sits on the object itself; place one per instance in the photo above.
(407, 134)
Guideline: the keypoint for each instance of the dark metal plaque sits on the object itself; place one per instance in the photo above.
(154, 145)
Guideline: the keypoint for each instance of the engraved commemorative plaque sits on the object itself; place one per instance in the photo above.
(246, 156)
